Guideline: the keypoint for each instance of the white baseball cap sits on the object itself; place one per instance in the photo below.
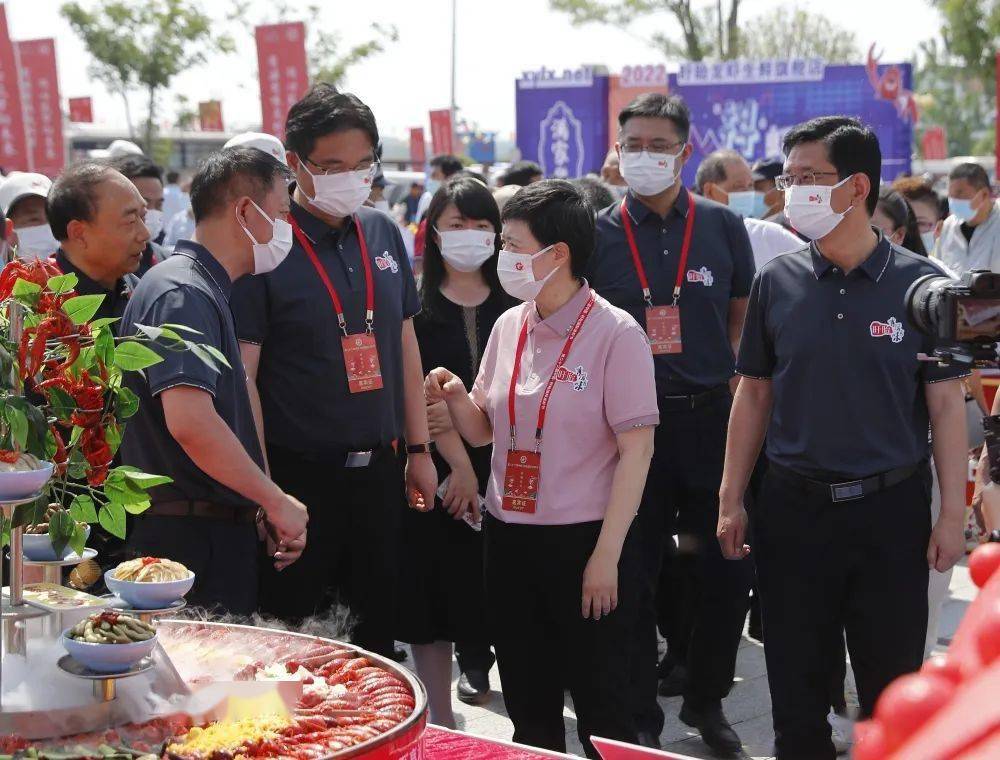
(124, 148)
(267, 143)
(20, 185)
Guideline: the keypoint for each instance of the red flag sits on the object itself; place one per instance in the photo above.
(81, 110)
(442, 134)
(283, 73)
(418, 147)
(13, 142)
(210, 116)
(934, 143)
(42, 110)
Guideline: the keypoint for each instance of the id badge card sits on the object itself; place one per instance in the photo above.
(663, 327)
(361, 361)
(520, 481)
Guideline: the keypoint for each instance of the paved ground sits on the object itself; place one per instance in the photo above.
(748, 706)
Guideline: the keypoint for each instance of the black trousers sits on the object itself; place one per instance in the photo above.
(534, 585)
(682, 497)
(822, 568)
(352, 547)
(223, 555)
(475, 655)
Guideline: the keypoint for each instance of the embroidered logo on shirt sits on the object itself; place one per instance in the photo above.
(892, 328)
(703, 275)
(578, 377)
(386, 261)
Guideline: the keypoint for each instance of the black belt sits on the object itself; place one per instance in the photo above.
(677, 403)
(850, 490)
(206, 509)
(345, 458)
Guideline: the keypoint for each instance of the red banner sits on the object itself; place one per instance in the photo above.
(283, 72)
(622, 90)
(934, 144)
(81, 110)
(13, 142)
(210, 116)
(42, 109)
(418, 148)
(442, 134)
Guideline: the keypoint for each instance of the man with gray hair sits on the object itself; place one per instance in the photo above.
(724, 176)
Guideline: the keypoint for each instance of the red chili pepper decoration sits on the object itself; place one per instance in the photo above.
(8, 456)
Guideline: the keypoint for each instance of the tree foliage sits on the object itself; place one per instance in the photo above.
(797, 33)
(143, 46)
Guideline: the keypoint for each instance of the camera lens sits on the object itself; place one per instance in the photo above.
(922, 301)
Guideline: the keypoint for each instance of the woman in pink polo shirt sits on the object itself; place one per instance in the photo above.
(565, 394)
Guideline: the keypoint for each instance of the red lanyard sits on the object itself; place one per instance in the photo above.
(521, 340)
(369, 281)
(681, 265)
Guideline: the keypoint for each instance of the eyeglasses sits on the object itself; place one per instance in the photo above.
(654, 147)
(368, 165)
(785, 181)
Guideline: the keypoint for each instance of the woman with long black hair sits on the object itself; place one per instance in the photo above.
(442, 583)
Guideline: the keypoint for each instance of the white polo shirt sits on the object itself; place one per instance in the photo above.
(982, 252)
(768, 240)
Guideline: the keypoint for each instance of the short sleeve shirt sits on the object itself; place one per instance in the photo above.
(720, 267)
(191, 288)
(841, 353)
(306, 403)
(115, 300)
(609, 389)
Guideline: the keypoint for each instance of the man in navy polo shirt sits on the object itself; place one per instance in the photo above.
(682, 266)
(842, 531)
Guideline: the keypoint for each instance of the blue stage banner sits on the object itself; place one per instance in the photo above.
(747, 106)
(562, 120)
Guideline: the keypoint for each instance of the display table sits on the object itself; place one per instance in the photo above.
(442, 744)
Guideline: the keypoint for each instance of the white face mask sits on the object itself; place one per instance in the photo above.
(648, 173)
(267, 256)
(808, 209)
(339, 194)
(36, 242)
(382, 205)
(154, 223)
(467, 250)
(928, 239)
(517, 275)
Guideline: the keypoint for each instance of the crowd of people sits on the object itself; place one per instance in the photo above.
(721, 381)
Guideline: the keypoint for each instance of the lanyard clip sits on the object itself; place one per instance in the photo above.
(343, 324)
(513, 438)
(538, 441)
(648, 297)
(677, 296)
(370, 321)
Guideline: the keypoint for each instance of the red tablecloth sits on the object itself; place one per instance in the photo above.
(440, 744)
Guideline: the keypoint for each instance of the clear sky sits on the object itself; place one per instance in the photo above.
(497, 39)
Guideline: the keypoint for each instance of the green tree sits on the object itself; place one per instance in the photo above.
(143, 46)
(797, 33)
(956, 75)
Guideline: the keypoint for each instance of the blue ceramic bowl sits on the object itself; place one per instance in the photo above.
(148, 596)
(21, 485)
(38, 548)
(107, 658)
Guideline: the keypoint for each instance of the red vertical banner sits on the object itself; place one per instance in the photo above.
(42, 109)
(622, 90)
(418, 147)
(442, 133)
(283, 72)
(81, 110)
(210, 116)
(934, 144)
(13, 141)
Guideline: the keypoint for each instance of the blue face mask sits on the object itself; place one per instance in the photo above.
(746, 203)
(759, 206)
(961, 208)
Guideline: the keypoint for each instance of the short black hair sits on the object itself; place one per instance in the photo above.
(521, 173)
(656, 105)
(556, 212)
(851, 146)
(972, 173)
(596, 191)
(73, 195)
(324, 110)
(713, 169)
(134, 167)
(900, 213)
(172, 176)
(230, 174)
(447, 163)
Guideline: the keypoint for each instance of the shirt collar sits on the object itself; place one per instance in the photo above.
(874, 266)
(84, 285)
(315, 228)
(217, 272)
(639, 210)
(562, 321)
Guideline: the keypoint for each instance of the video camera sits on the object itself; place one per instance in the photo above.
(963, 315)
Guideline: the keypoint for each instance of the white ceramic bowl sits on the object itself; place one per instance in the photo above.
(21, 485)
(38, 548)
(149, 596)
(107, 658)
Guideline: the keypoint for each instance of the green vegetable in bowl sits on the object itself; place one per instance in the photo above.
(111, 628)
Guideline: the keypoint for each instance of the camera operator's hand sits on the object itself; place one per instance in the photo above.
(947, 544)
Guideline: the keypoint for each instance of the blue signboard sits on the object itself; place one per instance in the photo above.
(747, 106)
(562, 120)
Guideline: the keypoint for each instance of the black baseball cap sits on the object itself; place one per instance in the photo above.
(767, 168)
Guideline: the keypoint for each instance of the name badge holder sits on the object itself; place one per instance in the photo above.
(663, 322)
(522, 474)
(361, 362)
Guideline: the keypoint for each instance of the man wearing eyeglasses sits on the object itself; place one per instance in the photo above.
(335, 373)
(682, 266)
(842, 531)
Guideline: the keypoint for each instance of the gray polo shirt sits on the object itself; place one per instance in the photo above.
(190, 288)
(719, 268)
(849, 397)
(307, 406)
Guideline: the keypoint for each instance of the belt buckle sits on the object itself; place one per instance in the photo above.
(850, 491)
(358, 459)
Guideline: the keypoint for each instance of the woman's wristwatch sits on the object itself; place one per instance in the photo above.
(421, 448)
